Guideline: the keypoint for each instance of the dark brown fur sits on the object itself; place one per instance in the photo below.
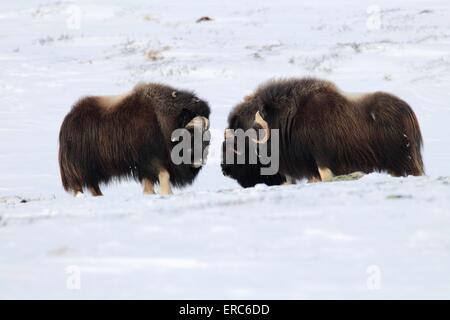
(247, 175)
(322, 127)
(132, 139)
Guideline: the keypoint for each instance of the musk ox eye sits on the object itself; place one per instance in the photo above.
(174, 94)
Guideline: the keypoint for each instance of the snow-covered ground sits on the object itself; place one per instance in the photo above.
(378, 237)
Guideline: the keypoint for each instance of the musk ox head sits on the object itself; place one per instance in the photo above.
(179, 106)
(178, 110)
(246, 172)
(274, 100)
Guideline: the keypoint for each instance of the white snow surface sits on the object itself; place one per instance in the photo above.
(377, 237)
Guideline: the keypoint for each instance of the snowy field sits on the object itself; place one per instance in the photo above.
(377, 237)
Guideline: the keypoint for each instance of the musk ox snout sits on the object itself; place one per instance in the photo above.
(129, 136)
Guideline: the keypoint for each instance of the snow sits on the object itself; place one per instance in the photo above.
(377, 237)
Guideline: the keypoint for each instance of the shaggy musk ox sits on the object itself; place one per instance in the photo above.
(246, 174)
(129, 136)
(324, 131)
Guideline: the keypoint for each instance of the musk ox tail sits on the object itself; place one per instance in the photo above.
(415, 143)
(396, 135)
(70, 175)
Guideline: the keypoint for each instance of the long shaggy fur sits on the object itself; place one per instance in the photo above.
(127, 137)
(320, 126)
(247, 175)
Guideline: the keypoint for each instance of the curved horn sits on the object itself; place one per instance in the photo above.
(198, 122)
(260, 121)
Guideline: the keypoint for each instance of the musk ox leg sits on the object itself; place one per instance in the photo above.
(314, 179)
(148, 186)
(164, 183)
(95, 191)
(289, 181)
(325, 174)
(77, 193)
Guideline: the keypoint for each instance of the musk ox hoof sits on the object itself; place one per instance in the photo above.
(79, 194)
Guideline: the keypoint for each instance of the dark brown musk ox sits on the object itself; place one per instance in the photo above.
(247, 174)
(325, 132)
(129, 136)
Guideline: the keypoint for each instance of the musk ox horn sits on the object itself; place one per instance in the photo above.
(174, 94)
(261, 122)
(198, 122)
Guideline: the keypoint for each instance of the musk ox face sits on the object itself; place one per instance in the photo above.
(244, 164)
(194, 117)
(130, 136)
(194, 149)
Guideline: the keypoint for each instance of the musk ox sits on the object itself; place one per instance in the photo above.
(246, 174)
(325, 132)
(129, 136)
